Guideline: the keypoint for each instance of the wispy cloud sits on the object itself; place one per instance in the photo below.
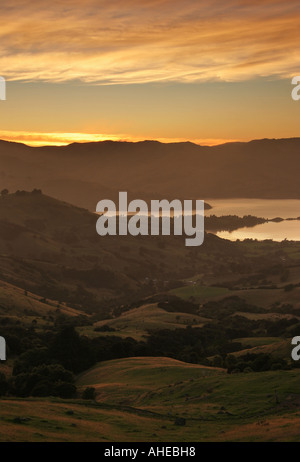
(130, 41)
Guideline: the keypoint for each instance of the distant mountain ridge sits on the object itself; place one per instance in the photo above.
(84, 173)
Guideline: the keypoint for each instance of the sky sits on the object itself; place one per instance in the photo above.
(204, 71)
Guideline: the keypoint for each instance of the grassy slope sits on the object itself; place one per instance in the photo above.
(149, 382)
(264, 298)
(280, 348)
(14, 302)
(139, 376)
(137, 322)
(226, 403)
(139, 399)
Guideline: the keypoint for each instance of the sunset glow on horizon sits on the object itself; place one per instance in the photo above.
(63, 139)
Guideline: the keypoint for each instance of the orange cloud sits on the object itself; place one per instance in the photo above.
(150, 41)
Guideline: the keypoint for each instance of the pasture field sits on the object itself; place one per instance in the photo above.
(139, 399)
(137, 322)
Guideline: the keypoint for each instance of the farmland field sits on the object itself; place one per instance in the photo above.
(139, 399)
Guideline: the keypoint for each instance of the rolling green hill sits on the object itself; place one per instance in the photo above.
(139, 321)
(142, 399)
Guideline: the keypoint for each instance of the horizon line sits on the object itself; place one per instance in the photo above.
(60, 139)
(68, 139)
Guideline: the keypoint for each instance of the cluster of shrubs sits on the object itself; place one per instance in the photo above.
(5, 192)
(44, 380)
(258, 363)
(250, 362)
(49, 363)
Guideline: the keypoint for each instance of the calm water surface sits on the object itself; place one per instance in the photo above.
(260, 208)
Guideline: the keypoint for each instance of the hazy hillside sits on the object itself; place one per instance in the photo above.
(51, 248)
(83, 174)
